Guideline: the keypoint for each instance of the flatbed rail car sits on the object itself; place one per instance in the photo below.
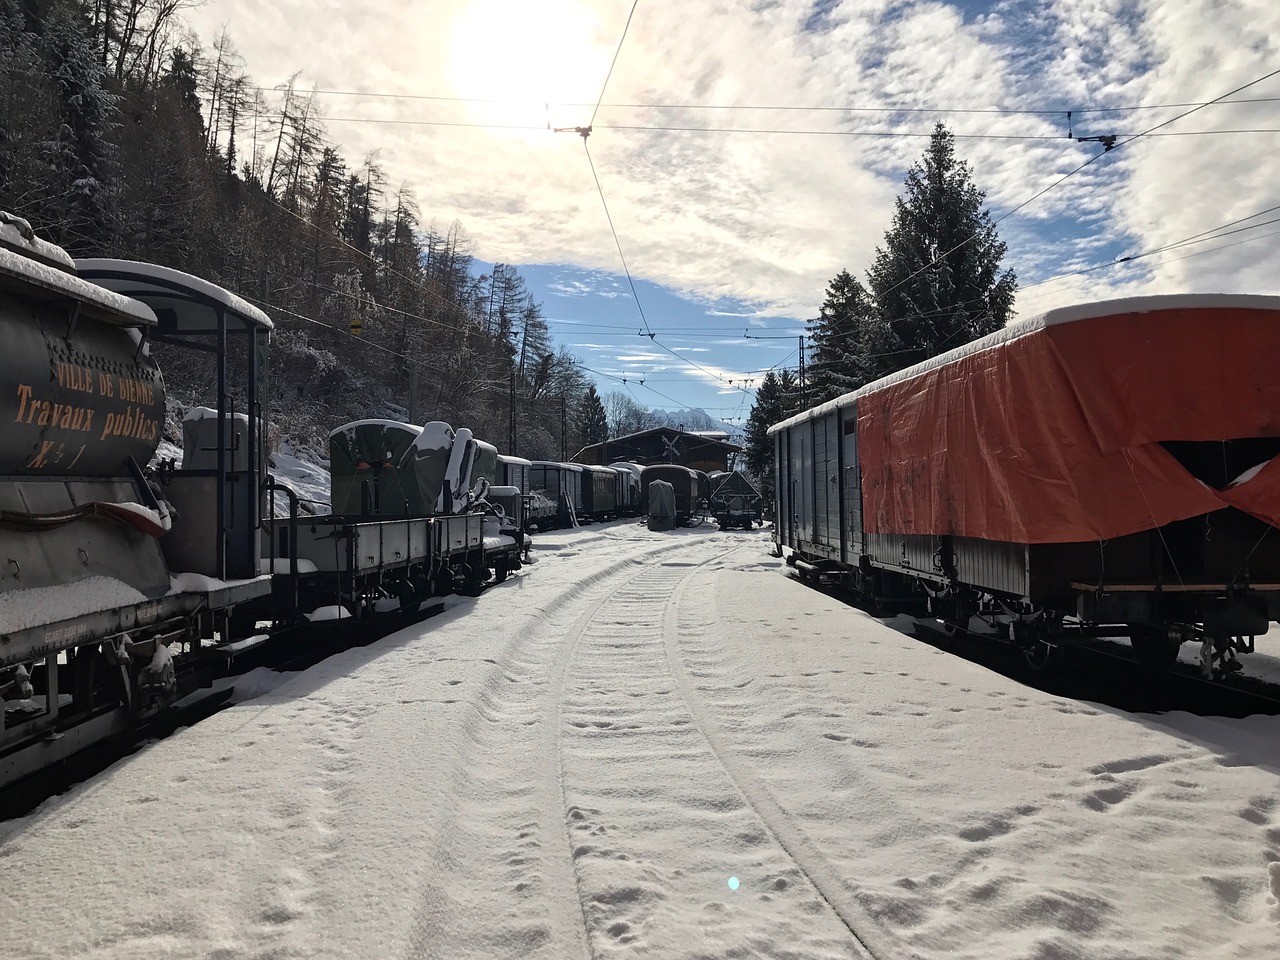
(1099, 470)
(361, 564)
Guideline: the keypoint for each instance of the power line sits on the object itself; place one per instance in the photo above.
(613, 63)
(1108, 148)
(617, 242)
(1203, 236)
(784, 108)
(779, 131)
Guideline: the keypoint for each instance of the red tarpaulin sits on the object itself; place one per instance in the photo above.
(1053, 435)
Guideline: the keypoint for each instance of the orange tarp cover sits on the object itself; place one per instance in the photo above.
(1054, 436)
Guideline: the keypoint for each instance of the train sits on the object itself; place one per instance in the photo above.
(583, 493)
(128, 582)
(1105, 469)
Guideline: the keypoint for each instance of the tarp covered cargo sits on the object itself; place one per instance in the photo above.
(1076, 425)
(662, 505)
(731, 483)
(386, 468)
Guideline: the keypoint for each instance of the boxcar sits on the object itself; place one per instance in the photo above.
(1099, 469)
(683, 481)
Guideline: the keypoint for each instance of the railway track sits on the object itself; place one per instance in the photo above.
(1099, 671)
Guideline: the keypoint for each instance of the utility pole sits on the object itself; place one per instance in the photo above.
(511, 415)
(803, 400)
(564, 429)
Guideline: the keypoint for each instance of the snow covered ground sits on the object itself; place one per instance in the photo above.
(660, 745)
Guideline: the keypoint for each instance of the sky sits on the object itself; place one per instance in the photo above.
(743, 152)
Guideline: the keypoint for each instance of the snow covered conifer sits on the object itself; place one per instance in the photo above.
(80, 157)
(937, 281)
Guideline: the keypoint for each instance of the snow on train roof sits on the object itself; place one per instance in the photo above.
(53, 280)
(517, 461)
(17, 235)
(376, 422)
(172, 281)
(1050, 318)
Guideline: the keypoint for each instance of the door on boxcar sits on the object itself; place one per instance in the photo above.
(826, 483)
(802, 480)
(852, 481)
(783, 505)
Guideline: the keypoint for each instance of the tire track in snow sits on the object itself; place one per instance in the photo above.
(553, 721)
(808, 860)
(653, 812)
(503, 763)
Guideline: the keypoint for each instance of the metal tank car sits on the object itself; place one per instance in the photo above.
(113, 588)
(1101, 470)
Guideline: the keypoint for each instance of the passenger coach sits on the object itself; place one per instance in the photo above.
(1101, 469)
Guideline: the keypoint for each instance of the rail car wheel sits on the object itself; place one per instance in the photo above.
(500, 570)
(1155, 652)
(96, 681)
(1039, 653)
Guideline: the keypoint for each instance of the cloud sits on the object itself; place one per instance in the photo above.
(767, 218)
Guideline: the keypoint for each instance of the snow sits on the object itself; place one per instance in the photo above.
(194, 583)
(374, 422)
(148, 517)
(17, 232)
(332, 612)
(306, 473)
(583, 760)
(168, 276)
(208, 413)
(435, 435)
(66, 284)
(33, 606)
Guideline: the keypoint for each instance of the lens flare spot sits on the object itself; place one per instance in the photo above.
(733, 883)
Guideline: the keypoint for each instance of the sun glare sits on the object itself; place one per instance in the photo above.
(527, 53)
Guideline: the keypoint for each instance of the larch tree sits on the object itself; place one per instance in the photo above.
(937, 280)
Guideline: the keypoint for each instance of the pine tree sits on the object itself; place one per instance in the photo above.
(845, 340)
(777, 399)
(937, 280)
(593, 425)
(80, 159)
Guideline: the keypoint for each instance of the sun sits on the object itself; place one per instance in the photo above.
(527, 53)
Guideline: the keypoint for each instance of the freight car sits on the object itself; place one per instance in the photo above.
(600, 492)
(628, 487)
(123, 587)
(684, 483)
(1100, 470)
(734, 501)
(561, 483)
(111, 592)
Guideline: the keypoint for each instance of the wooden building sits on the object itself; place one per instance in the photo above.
(706, 450)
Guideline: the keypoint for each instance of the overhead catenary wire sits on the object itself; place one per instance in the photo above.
(1067, 176)
(613, 63)
(1204, 236)
(1047, 110)
(778, 131)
